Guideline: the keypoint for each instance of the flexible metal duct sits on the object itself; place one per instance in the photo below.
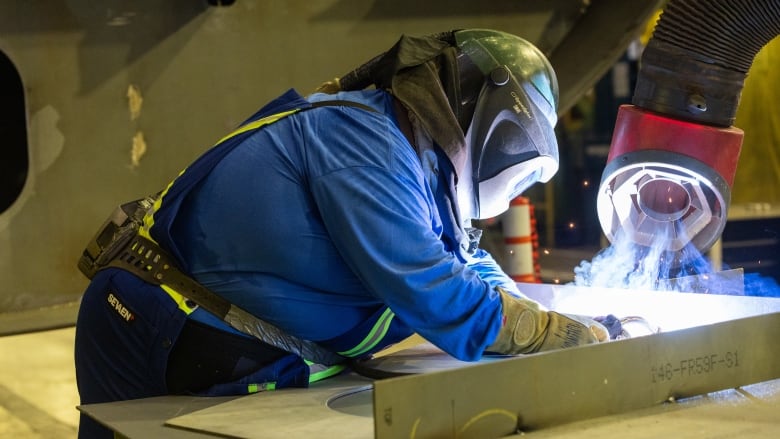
(674, 152)
(695, 64)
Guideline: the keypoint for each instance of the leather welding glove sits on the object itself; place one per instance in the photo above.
(528, 328)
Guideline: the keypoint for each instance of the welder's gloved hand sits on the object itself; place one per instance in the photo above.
(613, 325)
(528, 328)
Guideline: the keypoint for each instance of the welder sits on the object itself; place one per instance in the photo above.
(341, 219)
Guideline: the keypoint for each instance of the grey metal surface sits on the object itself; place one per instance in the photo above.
(123, 95)
(146, 418)
(287, 414)
(747, 412)
(423, 358)
(543, 390)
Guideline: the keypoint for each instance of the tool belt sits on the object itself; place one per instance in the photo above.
(118, 244)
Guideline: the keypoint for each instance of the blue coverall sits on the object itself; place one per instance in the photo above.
(323, 223)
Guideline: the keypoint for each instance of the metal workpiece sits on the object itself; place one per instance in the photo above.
(746, 411)
(289, 413)
(685, 345)
(707, 343)
(548, 389)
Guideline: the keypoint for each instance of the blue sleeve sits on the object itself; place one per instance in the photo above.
(489, 271)
(380, 214)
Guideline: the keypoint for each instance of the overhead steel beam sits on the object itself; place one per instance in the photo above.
(595, 43)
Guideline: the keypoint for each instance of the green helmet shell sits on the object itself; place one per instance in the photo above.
(511, 93)
(489, 49)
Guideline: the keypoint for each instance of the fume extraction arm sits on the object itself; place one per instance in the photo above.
(674, 151)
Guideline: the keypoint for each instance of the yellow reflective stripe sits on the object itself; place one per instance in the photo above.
(149, 217)
(180, 300)
(376, 334)
(258, 123)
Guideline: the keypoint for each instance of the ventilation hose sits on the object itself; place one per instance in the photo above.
(695, 64)
(674, 152)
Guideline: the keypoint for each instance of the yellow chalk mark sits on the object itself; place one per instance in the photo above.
(138, 149)
(486, 413)
(413, 433)
(134, 101)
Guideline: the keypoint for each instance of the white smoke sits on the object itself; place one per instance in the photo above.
(627, 265)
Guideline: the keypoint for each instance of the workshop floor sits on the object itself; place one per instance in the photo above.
(38, 396)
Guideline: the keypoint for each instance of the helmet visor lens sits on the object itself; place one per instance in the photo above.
(508, 128)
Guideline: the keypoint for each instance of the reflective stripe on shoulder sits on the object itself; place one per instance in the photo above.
(376, 334)
(149, 217)
(258, 123)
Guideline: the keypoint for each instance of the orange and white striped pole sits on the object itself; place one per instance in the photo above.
(521, 241)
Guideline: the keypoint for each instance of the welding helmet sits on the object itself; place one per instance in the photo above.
(507, 107)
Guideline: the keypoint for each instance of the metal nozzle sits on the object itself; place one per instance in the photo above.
(667, 183)
(662, 198)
